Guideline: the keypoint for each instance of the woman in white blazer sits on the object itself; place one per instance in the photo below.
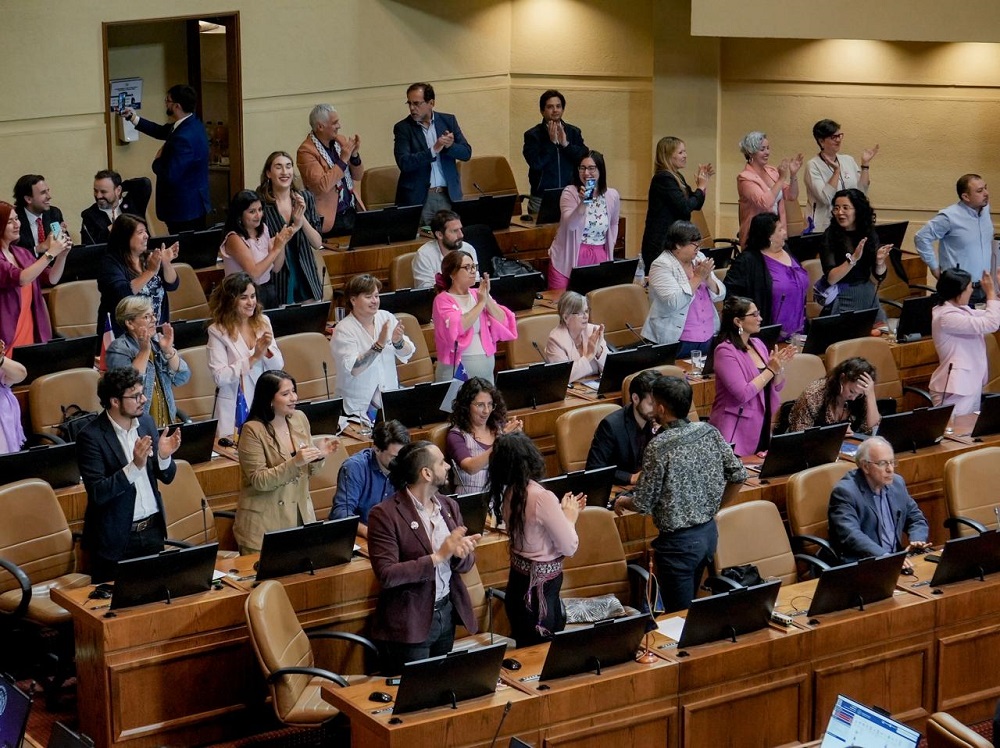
(958, 337)
(241, 346)
(683, 291)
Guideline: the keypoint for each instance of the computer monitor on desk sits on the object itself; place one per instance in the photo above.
(449, 679)
(14, 714)
(833, 328)
(619, 364)
(324, 415)
(517, 292)
(587, 278)
(971, 557)
(56, 464)
(164, 576)
(593, 648)
(728, 615)
(297, 550)
(83, 262)
(197, 441)
(385, 225)
(416, 301)
(596, 484)
(988, 421)
(288, 320)
(853, 724)
(494, 211)
(915, 429)
(797, 450)
(856, 584)
(416, 406)
(548, 211)
(531, 386)
(58, 354)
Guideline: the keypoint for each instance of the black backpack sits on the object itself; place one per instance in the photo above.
(75, 419)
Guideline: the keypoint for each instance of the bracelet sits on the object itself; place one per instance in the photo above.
(398, 346)
(356, 159)
(864, 168)
(376, 347)
(773, 372)
(172, 356)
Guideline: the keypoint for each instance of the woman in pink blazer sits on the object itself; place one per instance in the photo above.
(747, 379)
(761, 187)
(467, 323)
(958, 337)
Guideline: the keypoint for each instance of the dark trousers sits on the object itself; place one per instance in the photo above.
(681, 558)
(146, 542)
(439, 641)
(524, 620)
(194, 224)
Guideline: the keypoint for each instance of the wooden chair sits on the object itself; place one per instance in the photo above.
(73, 308)
(532, 329)
(188, 515)
(401, 271)
(615, 306)
(305, 353)
(969, 491)
(814, 268)
(944, 731)
(323, 483)
(807, 498)
(378, 186)
(575, 431)
(49, 394)
(794, 218)
(492, 174)
(800, 371)
(188, 301)
(878, 353)
(197, 397)
(707, 240)
(599, 567)
(419, 368)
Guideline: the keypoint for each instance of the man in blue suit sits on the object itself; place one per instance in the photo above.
(427, 145)
(181, 165)
(121, 458)
(870, 508)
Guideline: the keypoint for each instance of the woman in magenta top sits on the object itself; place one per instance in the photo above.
(542, 532)
(468, 323)
(747, 379)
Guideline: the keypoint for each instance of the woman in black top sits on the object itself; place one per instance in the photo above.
(852, 259)
(670, 197)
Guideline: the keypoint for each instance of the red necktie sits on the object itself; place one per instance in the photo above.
(41, 229)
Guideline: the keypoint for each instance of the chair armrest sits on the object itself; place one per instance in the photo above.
(922, 287)
(492, 592)
(346, 636)
(717, 240)
(639, 582)
(817, 566)
(224, 513)
(799, 543)
(313, 671)
(717, 585)
(922, 393)
(953, 524)
(25, 584)
(178, 543)
(36, 439)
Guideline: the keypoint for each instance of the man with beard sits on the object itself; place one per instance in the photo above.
(33, 203)
(109, 203)
(447, 229)
(621, 437)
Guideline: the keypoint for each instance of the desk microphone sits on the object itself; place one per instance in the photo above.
(454, 360)
(944, 394)
(85, 229)
(215, 401)
(482, 192)
(326, 380)
(540, 352)
(506, 711)
(633, 331)
(739, 417)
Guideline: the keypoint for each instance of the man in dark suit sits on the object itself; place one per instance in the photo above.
(33, 202)
(426, 145)
(181, 165)
(870, 508)
(621, 437)
(553, 149)
(418, 548)
(109, 203)
(121, 458)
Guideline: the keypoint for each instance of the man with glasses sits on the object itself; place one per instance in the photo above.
(446, 226)
(181, 165)
(870, 508)
(121, 458)
(552, 149)
(427, 145)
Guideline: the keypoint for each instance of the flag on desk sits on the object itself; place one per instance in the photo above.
(375, 405)
(242, 411)
(106, 341)
(459, 378)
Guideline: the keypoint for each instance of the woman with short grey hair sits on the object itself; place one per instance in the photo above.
(763, 188)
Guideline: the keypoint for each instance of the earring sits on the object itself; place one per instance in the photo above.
(739, 329)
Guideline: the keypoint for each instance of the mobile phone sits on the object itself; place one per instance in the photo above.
(588, 192)
(121, 100)
(55, 228)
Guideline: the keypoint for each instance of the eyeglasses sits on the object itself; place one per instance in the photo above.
(587, 169)
(837, 136)
(756, 313)
(469, 268)
(884, 463)
(137, 397)
(484, 406)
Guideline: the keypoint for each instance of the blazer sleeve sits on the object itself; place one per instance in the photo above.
(409, 155)
(223, 370)
(317, 177)
(958, 322)
(102, 488)
(505, 329)
(845, 521)
(915, 524)
(384, 550)
(819, 188)
(254, 465)
(460, 150)
(751, 190)
(604, 451)
(665, 284)
(153, 130)
(731, 375)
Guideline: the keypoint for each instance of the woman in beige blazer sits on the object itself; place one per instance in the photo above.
(277, 456)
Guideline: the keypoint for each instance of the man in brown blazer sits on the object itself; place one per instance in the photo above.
(331, 169)
(418, 548)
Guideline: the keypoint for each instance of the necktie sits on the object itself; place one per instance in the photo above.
(886, 525)
(41, 229)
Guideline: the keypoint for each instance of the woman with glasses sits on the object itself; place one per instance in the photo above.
(468, 323)
(845, 394)
(153, 356)
(576, 339)
(478, 418)
(366, 345)
(588, 228)
(763, 188)
(683, 291)
(747, 379)
(830, 171)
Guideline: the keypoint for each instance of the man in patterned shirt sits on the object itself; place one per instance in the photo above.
(688, 472)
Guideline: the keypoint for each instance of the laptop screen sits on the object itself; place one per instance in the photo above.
(14, 707)
(853, 724)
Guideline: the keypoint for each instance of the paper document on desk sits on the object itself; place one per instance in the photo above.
(217, 575)
(671, 628)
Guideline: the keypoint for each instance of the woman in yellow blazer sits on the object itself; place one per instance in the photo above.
(277, 456)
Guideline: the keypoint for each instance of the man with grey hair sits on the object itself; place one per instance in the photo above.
(330, 165)
(870, 508)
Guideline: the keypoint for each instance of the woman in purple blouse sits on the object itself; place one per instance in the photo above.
(747, 378)
(765, 272)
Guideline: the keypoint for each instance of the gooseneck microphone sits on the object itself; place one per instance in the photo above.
(482, 192)
(454, 360)
(736, 425)
(634, 332)
(503, 717)
(540, 351)
(326, 379)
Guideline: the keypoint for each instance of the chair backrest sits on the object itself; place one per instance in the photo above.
(378, 186)
(800, 371)
(614, 306)
(752, 533)
(599, 566)
(879, 354)
(278, 641)
(575, 431)
(419, 368)
(477, 595)
(187, 518)
(807, 498)
(532, 329)
(944, 731)
(794, 218)
(993, 358)
(323, 483)
(34, 533)
(438, 434)
(197, 397)
(304, 354)
(401, 271)
(188, 301)
(73, 308)
(968, 487)
(492, 173)
(48, 393)
(814, 268)
(666, 370)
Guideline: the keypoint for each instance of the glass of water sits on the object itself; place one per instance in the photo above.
(697, 362)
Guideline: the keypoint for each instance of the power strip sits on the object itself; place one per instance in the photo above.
(781, 619)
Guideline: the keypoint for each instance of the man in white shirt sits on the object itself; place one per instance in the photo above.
(447, 229)
(121, 457)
